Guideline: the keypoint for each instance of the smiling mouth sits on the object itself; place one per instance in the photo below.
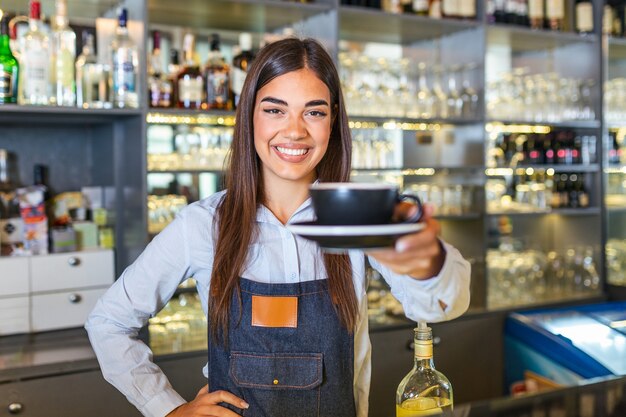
(292, 152)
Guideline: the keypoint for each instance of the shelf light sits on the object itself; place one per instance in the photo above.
(499, 172)
(615, 170)
(516, 128)
(393, 125)
(426, 172)
(200, 119)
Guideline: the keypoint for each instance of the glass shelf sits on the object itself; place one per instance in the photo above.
(188, 171)
(524, 39)
(362, 24)
(500, 171)
(405, 123)
(87, 9)
(236, 15)
(191, 117)
(591, 211)
(574, 124)
(12, 113)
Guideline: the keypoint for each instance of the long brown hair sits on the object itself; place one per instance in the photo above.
(236, 213)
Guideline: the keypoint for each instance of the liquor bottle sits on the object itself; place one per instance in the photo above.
(584, 16)
(11, 223)
(555, 11)
(607, 20)
(510, 12)
(125, 65)
(535, 13)
(450, 8)
(217, 78)
(420, 7)
(582, 194)
(434, 11)
(9, 67)
(424, 390)
(499, 12)
(91, 83)
(159, 86)
(34, 81)
(522, 13)
(407, 6)
(467, 9)
(241, 62)
(173, 68)
(491, 11)
(189, 80)
(63, 53)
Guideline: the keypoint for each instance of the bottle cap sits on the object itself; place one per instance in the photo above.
(122, 17)
(215, 42)
(35, 9)
(245, 41)
(61, 8)
(156, 40)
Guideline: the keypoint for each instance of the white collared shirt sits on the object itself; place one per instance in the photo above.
(185, 248)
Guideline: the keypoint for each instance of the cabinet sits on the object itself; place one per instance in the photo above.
(54, 291)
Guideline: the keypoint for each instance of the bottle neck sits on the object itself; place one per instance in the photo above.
(423, 353)
(5, 45)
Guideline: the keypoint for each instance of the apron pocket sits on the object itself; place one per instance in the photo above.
(279, 384)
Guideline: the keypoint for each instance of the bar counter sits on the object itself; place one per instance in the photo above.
(58, 372)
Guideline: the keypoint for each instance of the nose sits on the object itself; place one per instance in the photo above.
(295, 128)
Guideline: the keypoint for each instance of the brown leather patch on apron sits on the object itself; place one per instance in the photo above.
(269, 311)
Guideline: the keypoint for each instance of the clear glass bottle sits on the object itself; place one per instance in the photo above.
(555, 12)
(92, 87)
(34, 83)
(190, 82)
(584, 16)
(536, 13)
(9, 68)
(125, 64)
(424, 391)
(217, 78)
(63, 57)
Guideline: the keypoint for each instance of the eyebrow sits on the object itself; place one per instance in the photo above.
(284, 103)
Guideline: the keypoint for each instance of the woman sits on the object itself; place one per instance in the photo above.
(313, 356)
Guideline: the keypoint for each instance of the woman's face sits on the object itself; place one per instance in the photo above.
(292, 124)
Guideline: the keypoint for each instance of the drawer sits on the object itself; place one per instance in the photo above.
(63, 309)
(14, 315)
(72, 270)
(13, 276)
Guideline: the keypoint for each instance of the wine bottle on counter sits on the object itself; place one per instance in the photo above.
(9, 68)
(424, 390)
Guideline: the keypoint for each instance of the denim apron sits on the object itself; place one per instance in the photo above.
(302, 371)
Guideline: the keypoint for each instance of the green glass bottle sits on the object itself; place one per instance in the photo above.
(8, 66)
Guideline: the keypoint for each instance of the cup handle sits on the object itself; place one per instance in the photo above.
(420, 208)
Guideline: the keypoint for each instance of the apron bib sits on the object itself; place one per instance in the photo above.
(291, 357)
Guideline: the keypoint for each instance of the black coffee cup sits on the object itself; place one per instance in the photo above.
(351, 204)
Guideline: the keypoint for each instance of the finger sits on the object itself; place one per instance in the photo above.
(215, 411)
(203, 390)
(225, 397)
(429, 211)
(404, 210)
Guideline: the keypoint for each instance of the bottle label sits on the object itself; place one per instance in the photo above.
(12, 230)
(238, 76)
(584, 17)
(65, 68)
(420, 5)
(535, 9)
(467, 8)
(217, 88)
(555, 9)
(435, 10)
(37, 73)
(607, 20)
(6, 85)
(423, 349)
(123, 76)
(190, 89)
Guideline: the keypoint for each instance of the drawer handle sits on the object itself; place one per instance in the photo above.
(75, 298)
(73, 261)
(15, 408)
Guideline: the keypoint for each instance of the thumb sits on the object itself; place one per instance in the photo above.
(429, 211)
(203, 390)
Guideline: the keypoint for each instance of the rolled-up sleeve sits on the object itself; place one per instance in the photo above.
(421, 298)
(141, 291)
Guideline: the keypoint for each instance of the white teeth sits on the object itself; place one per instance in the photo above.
(295, 152)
